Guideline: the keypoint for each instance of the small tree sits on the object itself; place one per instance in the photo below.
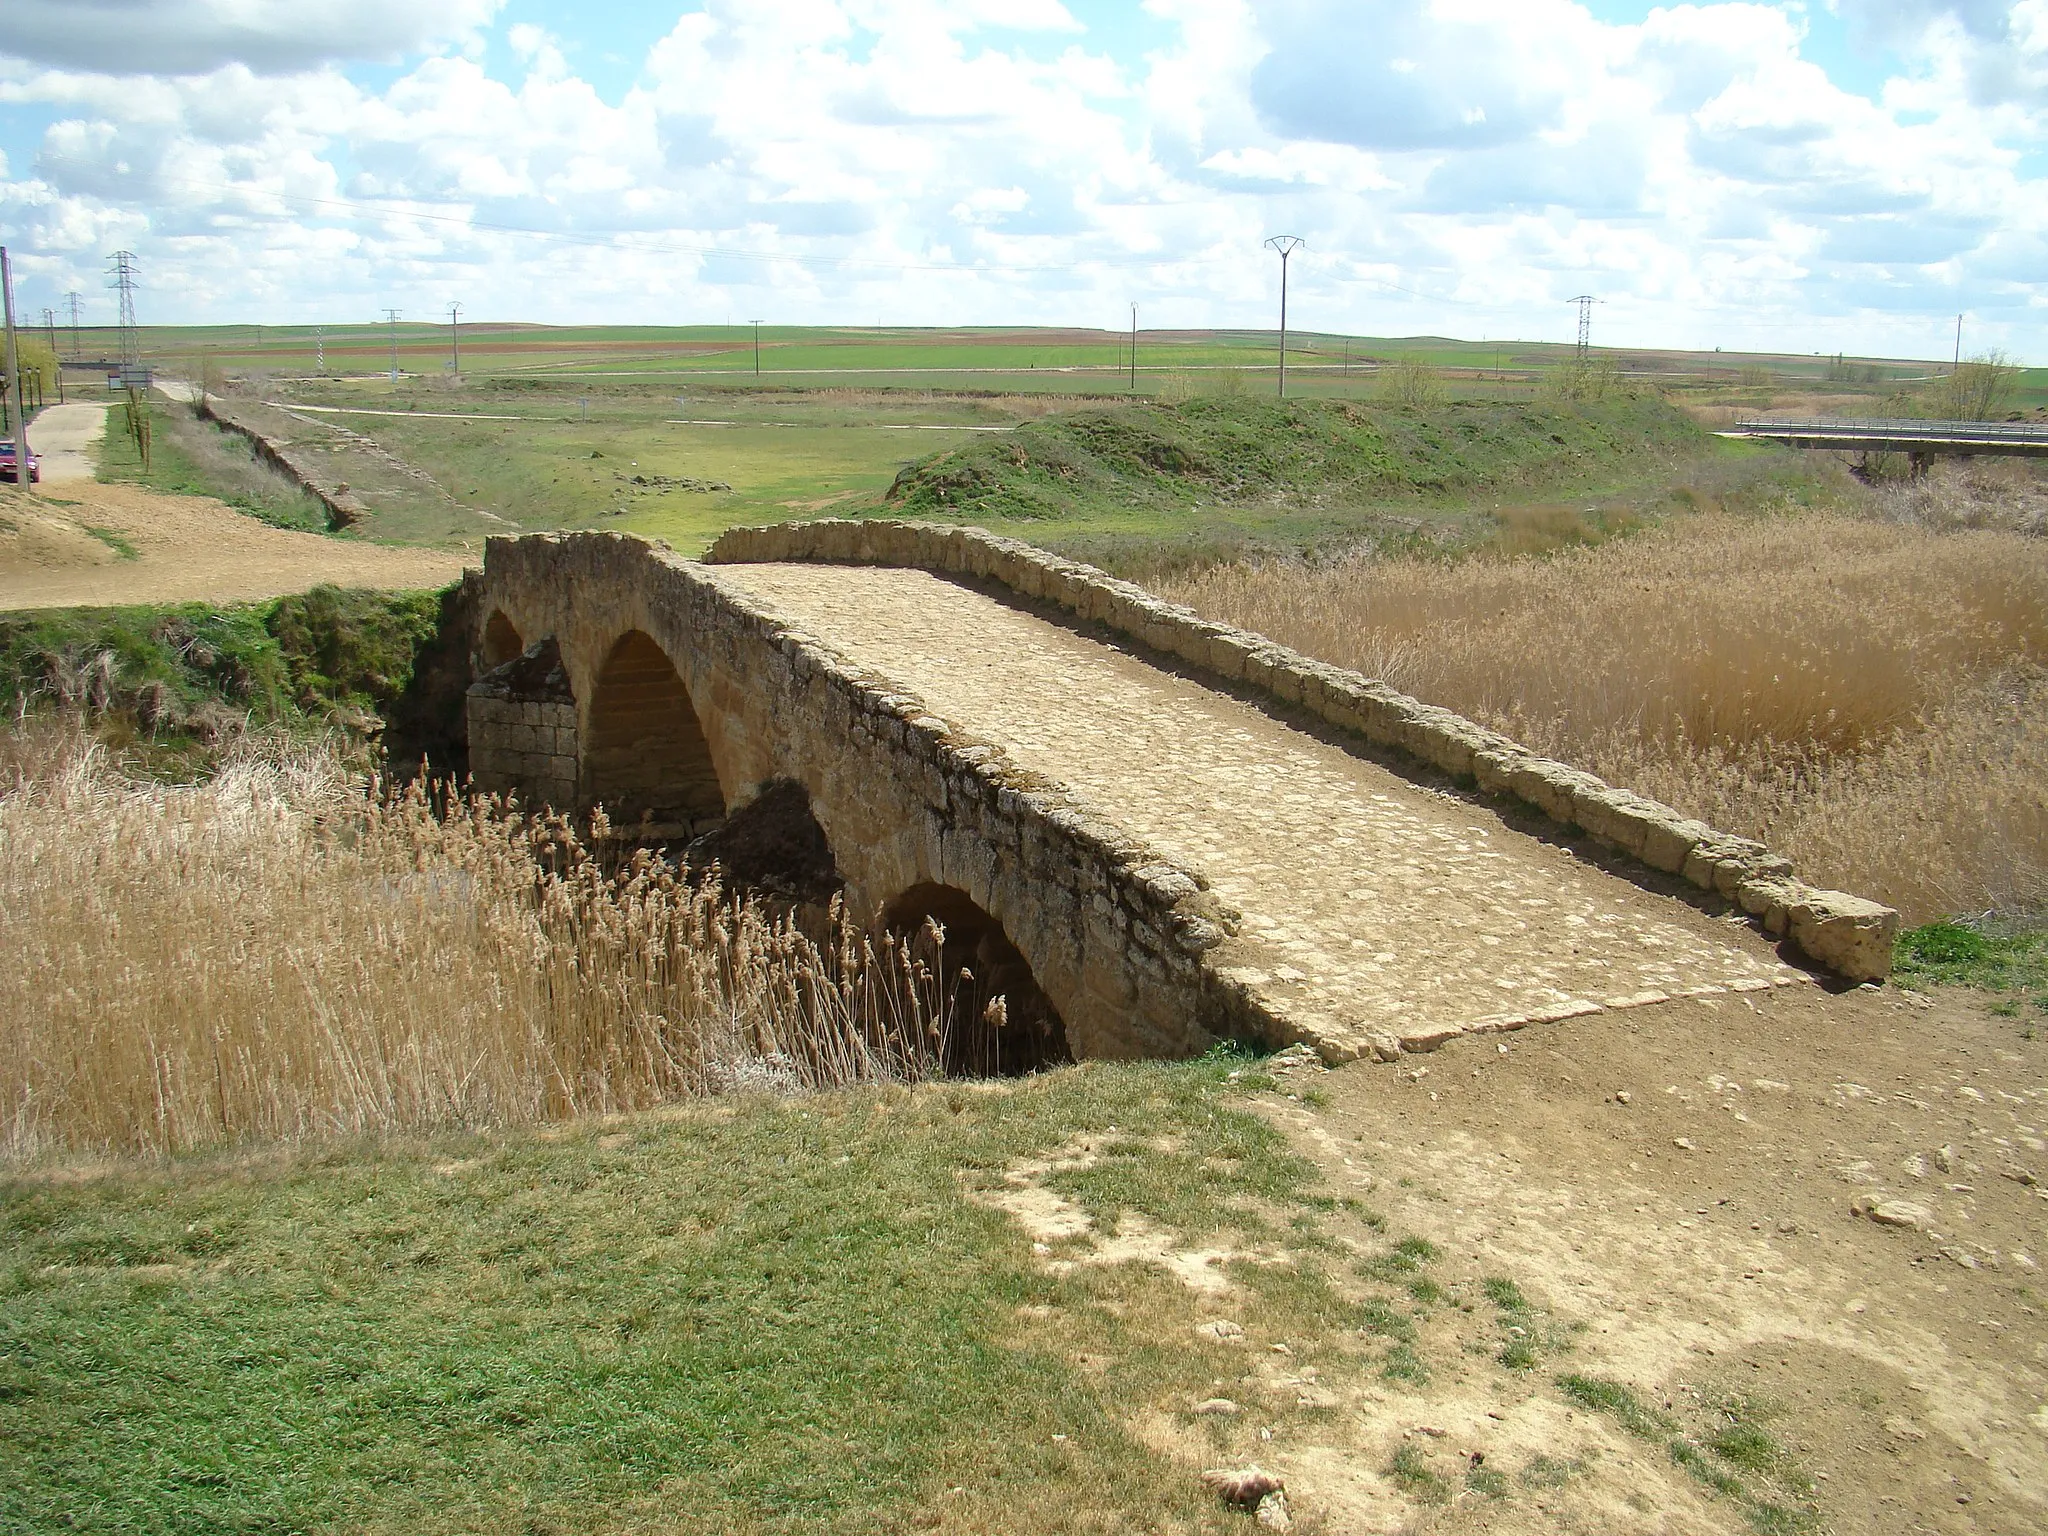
(38, 365)
(1594, 378)
(1411, 383)
(1978, 390)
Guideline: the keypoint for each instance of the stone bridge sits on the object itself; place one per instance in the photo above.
(1159, 830)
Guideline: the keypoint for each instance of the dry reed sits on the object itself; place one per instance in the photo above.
(277, 953)
(1870, 698)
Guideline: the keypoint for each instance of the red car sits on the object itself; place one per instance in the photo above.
(11, 472)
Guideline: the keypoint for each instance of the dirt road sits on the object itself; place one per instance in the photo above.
(62, 437)
(1676, 1194)
(1763, 1263)
(81, 543)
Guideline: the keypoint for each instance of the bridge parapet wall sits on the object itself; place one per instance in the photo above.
(1116, 934)
(1847, 934)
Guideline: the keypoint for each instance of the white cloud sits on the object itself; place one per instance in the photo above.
(198, 36)
(1394, 75)
(1458, 165)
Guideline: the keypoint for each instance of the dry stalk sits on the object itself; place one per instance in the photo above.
(1871, 698)
(278, 953)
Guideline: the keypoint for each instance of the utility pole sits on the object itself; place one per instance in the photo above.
(50, 329)
(123, 263)
(757, 348)
(455, 341)
(1956, 366)
(1585, 301)
(391, 319)
(1134, 349)
(72, 298)
(17, 428)
(1286, 245)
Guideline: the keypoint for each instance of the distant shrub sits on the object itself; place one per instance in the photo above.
(1411, 383)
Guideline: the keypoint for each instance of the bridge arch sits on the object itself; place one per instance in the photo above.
(1000, 1020)
(645, 757)
(501, 641)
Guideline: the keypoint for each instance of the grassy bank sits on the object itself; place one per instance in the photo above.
(1152, 490)
(772, 1315)
(1226, 451)
(173, 681)
(190, 456)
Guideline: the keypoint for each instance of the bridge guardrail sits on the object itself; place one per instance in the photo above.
(1908, 429)
(1847, 934)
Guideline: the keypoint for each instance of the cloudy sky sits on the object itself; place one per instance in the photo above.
(1841, 174)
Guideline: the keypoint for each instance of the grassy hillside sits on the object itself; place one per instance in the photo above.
(1305, 452)
(173, 680)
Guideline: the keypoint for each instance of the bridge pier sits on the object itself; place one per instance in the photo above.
(522, 724)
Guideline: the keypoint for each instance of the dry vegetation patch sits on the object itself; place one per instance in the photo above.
(1868, 697)
(277, 953)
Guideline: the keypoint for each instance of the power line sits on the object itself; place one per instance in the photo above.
(125, 280)
(1585, 301)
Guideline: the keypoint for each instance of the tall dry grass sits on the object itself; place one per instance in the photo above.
(277, 953)
(1869, 697)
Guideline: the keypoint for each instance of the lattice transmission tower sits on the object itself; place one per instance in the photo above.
(125, 280)
(1585, 301)
(72, 300)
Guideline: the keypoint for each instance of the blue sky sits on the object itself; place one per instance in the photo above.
(1836, 175)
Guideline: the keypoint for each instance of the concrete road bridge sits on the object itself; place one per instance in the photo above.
(1165, 829)
(1920, 441)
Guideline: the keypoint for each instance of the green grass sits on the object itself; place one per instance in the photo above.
(906, 353)
(193, 457)
(1137, 486)
(115, 541)
(1963, 954)
(1731, 1451)
(1617, 1402)
(1170, 461)
(565, 423)
(1409, 1472)
(182, 674)
(762, 1315)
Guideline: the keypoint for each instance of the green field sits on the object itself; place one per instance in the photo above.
(1009, 358)
(669, 432)
(1100, 477)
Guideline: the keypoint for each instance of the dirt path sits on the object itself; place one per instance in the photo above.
(62, 437)
(1675, 1193)
(1370, 904)
(81, 543)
